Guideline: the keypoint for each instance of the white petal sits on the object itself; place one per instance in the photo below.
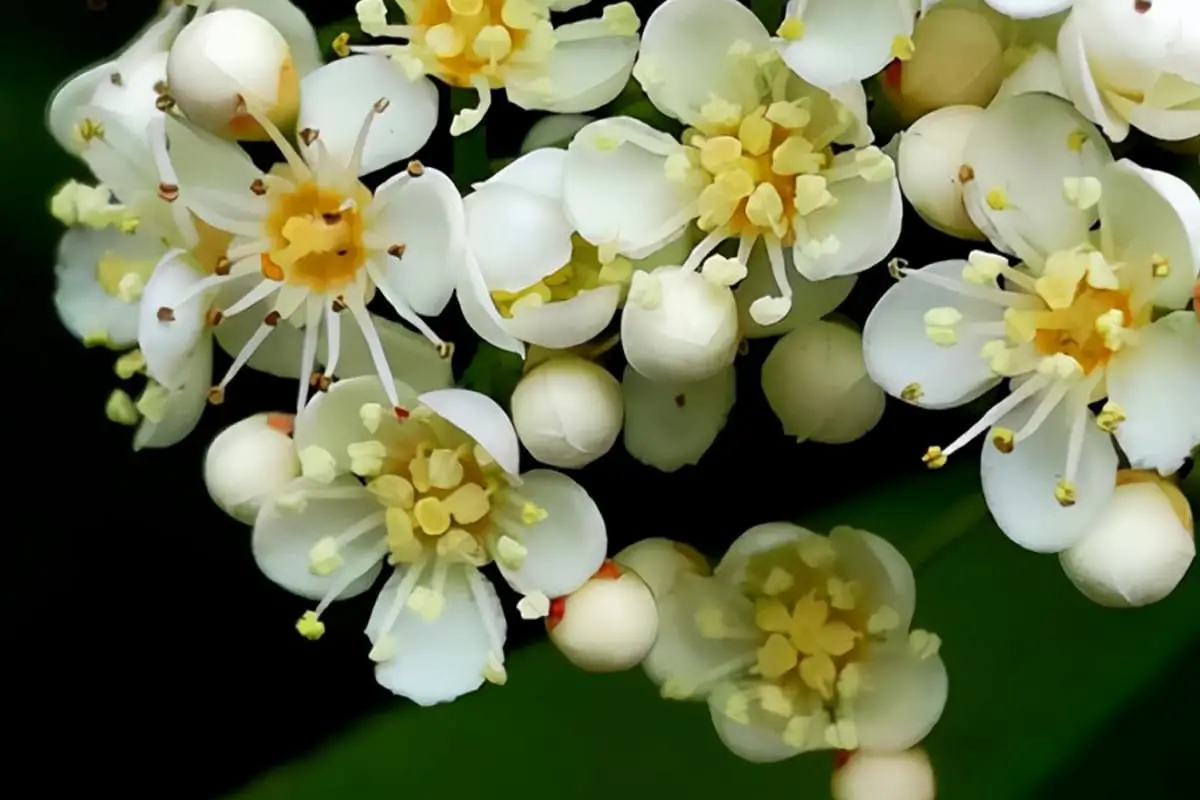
(845, 41)
(1022, 146)
(1147, 213)
(853, 97)
(811, 300)
(585, 74)
(666, 434)
(1156, 382)
(134, 100)
(279, 354)
(1039, 72)
(866, 222)
(1132, 45)
(1019, 486)
(757, 742)
(336, 98)
(899, 354)
(282, 539)
(566, 323)
(516, 236)
(877, 563)
(66, 102)
(1026, 9)
(333, 419)
(756, 540)
(685, 56)
(292, 23)
(902, 699)
(83, 305)
(1081, 85)
(681, 653)
(538, 171)
(425, 215)
(122, 162)
(621, 195)
(475, 301)
(438, 661)
(568, 546)
(184, 406)
(166, 344)
(481, 418)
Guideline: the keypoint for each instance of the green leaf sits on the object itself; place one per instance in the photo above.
(493, 372)
(1035, 672)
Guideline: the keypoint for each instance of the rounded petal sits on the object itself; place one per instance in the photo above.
(292, 23)
(757, 741)
(480, 312)
(568, 546)
(1039, 72)
(279, 354)
(539, 171)
(516, 236)
(685, 56)
(616, 190)
(425, 215)
(333, 419)
(902, 699)
(1029, 9)
(845, 41)
(811, 300)
(669, 425)
(437, 661)
(1168, 124)
(1020, 486)
(184, 406)
(587, 73)
(1025, 147)
(75, 93)
(82, 303)
(133, 100)
(682, 656)
(282, 539)
(566, 323)
(337, 98)
(904, 362)
(877, 563)
(865, 222)
(1156, 383)
(169, 330)
(1081, 87)
(481, 418)
(756, 540)
(1147, 214)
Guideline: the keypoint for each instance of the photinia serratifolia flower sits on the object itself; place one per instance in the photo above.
(510, 44)
(1073, 325)
(431, 489)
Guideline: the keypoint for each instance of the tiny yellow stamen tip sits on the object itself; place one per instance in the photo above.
(341, 45)
(310, 626)
(1110, 417)
(997, 200)
(912, 393)
(934, 458)
(1076, 140)
(532, 514)
(791, 29)
(903, 48)
(1160, 265)
(1003, 439)
(1064, 493)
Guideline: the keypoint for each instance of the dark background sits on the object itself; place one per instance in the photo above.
(142, 647)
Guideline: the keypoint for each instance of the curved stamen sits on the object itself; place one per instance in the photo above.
(308, 352)
(378, 356)
(333, 338)
(702, 250)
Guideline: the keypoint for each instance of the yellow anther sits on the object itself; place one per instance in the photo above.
(620, 19)
(1076, 139)
(1101, 274)
(940, 323)
(720, 113)
(842, 734)
(88, 129)
(934, 458)
(1064, 493)
(796, 732)
(1060, 366)
(737, 707)
(849, 682)
(812, 194)
(418, 469)
(884, 620)
(997, 200)
(531, 513)
(445, 40)
(493, 43)
(1110, 417)
(130, 364)
(778, 581)
(774, 701)
(772, 616)
(1003, 439)
(119, 408)
(924, 644)
(366, 458)
(371, 415)
(153, 402)
(130, 288)
(819, 673)
(791, 29)
(482, 457)
(510, 552)
(912, 393)
(1058, 291)
(534, 605)
(1160, 265)
(816, 552)
(403, 546)
(310, 626)
(788, 115)
(393, 490)
(341, 45)
(720, 153)
(764, 209)
(776, 658)
(431, 516)
(468, 503)
(755, 133)
(494, 671)
(795, 156)
(457, 544)
(384, 649)
(1083, 193)
(324, 558)
(445, 470)
(903, 48)
(292, 502)
(843, 595)
(1111, 326)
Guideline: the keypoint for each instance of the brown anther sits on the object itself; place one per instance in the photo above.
(338, 305)
(258, 187)
(168, 192)
(324, 383)
(381, 105)
(315, 377)
(309, 135)
(331, 217)
(116, 80)
(397, 250)
(272, 319)
(1142, 6)
(164, 102)
(743, 347)
(966, 173)
(214, 317)
(1004, 444)
(223, 265)
(415, 169)
(166, 314)
(160, 87)
(445, 349)
(401, 413)
(680, 400)
(239, 105)
(216, 395)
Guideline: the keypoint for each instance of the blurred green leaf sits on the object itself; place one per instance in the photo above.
(493, 372)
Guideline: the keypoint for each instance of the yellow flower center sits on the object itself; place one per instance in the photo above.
(582, 273)
(460, 39)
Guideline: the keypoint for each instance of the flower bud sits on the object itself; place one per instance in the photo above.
(568, 412)
(678, 325)
(226, 59)
(930, 169)
(659, 562)
(885, 776)
(248, 461)
(816, 382)
(1140, 547)
(607, 625)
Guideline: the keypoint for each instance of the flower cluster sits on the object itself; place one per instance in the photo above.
(704, 180)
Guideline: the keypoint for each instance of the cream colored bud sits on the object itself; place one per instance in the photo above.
(816, 382)
(568, 412)
(659, 562)
(958, 60)
(225, 58)
(885, 776)
(607, 625)
(931, 171)
(1139, 549)
(686, 328)
(248, 461)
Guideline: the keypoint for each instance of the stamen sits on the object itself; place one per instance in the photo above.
(681, 689)
(469, 118)
(378, 356)
(481, 594)
(342, 579)
(299, 166)
(998, 296)
(702, 250)
(768, 310)
(333, 337)
(180, 212)
(354, 164)
(1058, 390)
(385, 644)
(402, 308)
(325, 555)
(308, 351)
(201, 286)
(993, 415)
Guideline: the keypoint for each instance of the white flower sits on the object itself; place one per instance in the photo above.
(607, 625)
(529, 277)
(128, 87)
(801, 642)
(437, 496)
(510, 44)
(1134, 64)
(567, 412)
(757, 161)
(929, 163)
(308, 237)
(1071, 325)
(833, 42)
(671, 424)
(248, 462)
(894, 776)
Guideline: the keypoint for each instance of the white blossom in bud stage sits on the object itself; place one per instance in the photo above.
(607, 625)
(930, 165)
(429, 486)
(248, 462)
(802, 642)
(757, 160)
(830, 43)
(671, 424)
(816, 382)
(659, 562)
(510, 44)
(567, 412)
(129, 86)
(885, 776)
(1138, 549)
(1128, 64)
(1073, 324)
